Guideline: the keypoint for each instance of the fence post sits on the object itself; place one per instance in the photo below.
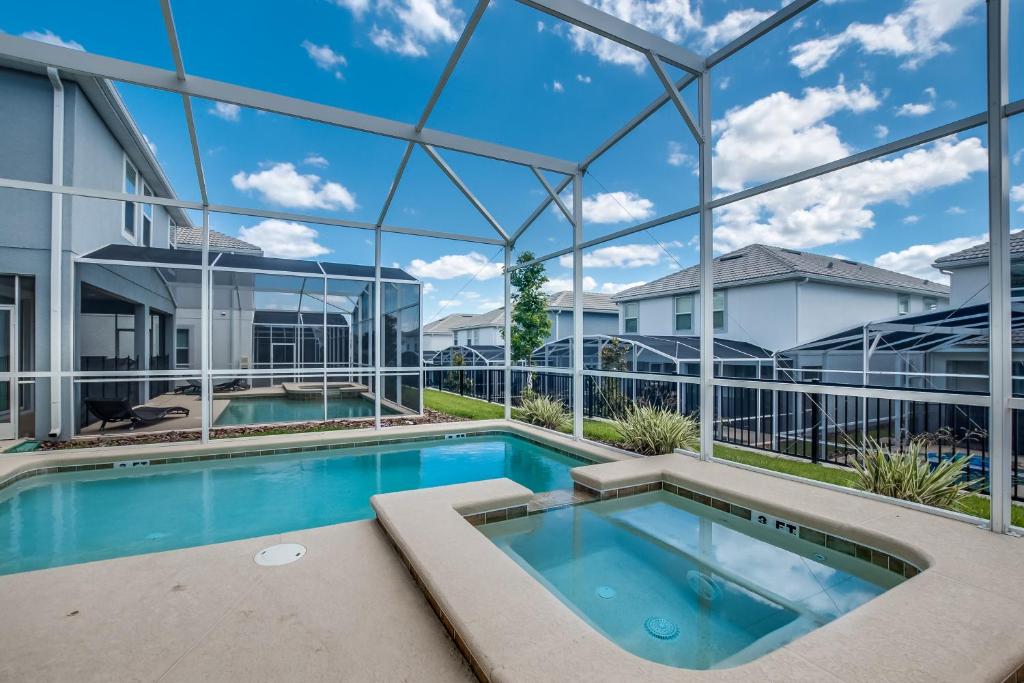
(815, 430)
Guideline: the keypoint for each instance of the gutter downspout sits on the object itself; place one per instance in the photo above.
(56, 253)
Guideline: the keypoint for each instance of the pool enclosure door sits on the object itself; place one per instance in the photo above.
(8, 361)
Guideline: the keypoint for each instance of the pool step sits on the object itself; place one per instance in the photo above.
(559, 498)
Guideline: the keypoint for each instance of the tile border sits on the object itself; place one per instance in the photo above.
(230, 455)
(883, 560)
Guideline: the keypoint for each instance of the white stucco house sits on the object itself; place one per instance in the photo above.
(600, 316)
(776, 298)
(439, 334)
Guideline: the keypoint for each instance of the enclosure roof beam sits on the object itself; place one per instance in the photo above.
(622, 32)
(186, 101)
(552, 194)
(772, 22)
(674, 95)
(452, 176)
(931, 329)
(98, 66)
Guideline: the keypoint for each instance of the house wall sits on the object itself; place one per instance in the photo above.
(826, 308)
(593, 323)
(969, 286)
(437, 342)
(487, 336)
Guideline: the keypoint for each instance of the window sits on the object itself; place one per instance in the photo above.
(131, 186)
(147, 219)
(172, 234)
(631, 314)
(903, 304)
(719, 311)
(1017, 279)
(930, 303)
(181, 347)
(683, 307)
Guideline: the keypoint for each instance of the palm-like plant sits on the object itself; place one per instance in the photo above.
(907, 475)
(543, 412)
(653, 431)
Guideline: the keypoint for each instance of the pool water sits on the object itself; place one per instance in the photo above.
(683, 584)
(60, 519)
(252, 410)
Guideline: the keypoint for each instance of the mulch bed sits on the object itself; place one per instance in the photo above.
(429, 417)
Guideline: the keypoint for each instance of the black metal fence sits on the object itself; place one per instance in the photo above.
(126, 389)
(818, 427)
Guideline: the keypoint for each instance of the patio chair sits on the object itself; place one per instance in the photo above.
(194, 386)
(234, 385)
(120, 410)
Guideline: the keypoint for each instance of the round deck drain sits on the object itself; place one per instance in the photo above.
(277, 555)
(819, 557)
(704, 586)
(661, 628)
(606, 592)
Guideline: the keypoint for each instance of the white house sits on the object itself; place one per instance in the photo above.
(776, 298)
(968, 271)
(439, 334)
(600, 316)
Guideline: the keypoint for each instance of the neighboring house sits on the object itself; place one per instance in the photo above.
(776, 298)
(439, 334)
(114, 316)
(968, 271)
(600, 316)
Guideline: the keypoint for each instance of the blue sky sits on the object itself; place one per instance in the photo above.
(847, 75)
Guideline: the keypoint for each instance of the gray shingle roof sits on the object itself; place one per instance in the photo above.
(760, 263)
(979, 252)
(192, 238)
(560, 301)
(447, 323)
(592, 301)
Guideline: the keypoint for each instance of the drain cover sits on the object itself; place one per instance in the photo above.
(606, 592)
(704, 586)
(661, 628)
(276, 555)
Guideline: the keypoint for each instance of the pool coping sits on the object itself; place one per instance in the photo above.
(18, 467)
(941, 624)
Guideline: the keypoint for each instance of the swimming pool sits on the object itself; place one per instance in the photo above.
(684, 584)
(58, 519)
(259, 410)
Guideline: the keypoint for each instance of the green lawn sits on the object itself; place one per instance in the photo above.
(598, 430)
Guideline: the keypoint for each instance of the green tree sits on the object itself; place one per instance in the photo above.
(530, 322)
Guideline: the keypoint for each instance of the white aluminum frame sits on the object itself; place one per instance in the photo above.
(658, 52)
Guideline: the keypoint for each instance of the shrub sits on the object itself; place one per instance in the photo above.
(909, 476)
(543, 412)
(654, 431)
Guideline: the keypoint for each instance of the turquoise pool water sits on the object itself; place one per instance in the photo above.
(59, 519)
(683, 584)
(247, 411)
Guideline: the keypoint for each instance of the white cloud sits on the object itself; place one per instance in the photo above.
(919, 108)
(912, 219)
(455, 265)
(881, 131)
(357, 7)
(1017, 195)
(616, 207)
(676, 155)
(1018, 155)
(584, 79)
(557, 86)
(917, 260)
(733, 25)
(837, 207)
(316, 160)
(149, 143)
(448, 303)
(616, 287)
(428, 287)
(780, 134)
(325, 58)
(284, 239)
(955, 211)
(48, 36)
(281, 184)
(540, 26)
(562, 284)
(914, 34)
(417, 25)
(723, 83)
(620, 256)
(223, 110)
(489, 304)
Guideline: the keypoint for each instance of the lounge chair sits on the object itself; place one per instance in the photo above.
(120, 410)
(233, 385)
(194, 386)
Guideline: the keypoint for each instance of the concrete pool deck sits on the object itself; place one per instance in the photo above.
(350, 610)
